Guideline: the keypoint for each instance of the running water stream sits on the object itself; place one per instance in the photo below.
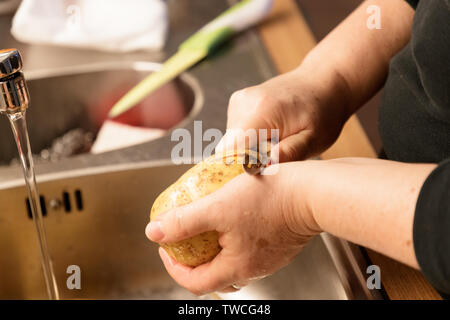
(19, 127)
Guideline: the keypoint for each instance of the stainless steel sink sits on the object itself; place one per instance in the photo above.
(95, 219)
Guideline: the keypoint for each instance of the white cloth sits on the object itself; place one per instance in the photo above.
(108, 25)
(114, 135)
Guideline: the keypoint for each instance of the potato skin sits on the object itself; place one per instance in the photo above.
(199, 181)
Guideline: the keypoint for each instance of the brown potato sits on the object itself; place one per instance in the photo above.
(199, 181)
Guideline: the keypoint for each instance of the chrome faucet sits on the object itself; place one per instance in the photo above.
(14, 100)
(14, 95)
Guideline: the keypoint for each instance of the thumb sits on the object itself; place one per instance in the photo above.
(293, 148)
(183, 222)
(234, 139)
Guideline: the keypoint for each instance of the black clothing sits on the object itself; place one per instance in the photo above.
(432, 228)
(415, 112)
(414, 125)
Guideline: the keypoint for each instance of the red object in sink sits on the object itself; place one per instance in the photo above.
(163, 109)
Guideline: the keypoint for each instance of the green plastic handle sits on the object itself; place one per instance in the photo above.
(208, 40)
(239, 17)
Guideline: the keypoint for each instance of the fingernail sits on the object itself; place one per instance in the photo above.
(153, 231)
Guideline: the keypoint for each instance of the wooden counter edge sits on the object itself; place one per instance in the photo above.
(288, 39)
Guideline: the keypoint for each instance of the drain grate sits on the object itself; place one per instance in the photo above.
(43, 206)
(79, 200)
(65, 202)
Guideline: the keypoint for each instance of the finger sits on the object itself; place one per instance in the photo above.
(293, 148)
(212, 276)
(234, 139)
(183, 222)
(224, 143)
(237, 139)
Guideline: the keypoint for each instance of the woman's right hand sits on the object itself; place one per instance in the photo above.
(308, 117)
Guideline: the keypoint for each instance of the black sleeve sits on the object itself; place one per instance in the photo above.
(431, 232)
(413, 3)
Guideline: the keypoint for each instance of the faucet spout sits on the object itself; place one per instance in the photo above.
(14, 95)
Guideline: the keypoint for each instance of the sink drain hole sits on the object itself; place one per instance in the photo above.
(78, 200)
(66, 202)
(43, 207)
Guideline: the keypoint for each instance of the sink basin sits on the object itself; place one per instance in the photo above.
(95, 219)
(84, 96)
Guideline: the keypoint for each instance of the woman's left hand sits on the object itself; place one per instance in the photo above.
(255, 218)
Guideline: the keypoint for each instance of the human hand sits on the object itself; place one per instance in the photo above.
(308, 118)
(254, 216)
